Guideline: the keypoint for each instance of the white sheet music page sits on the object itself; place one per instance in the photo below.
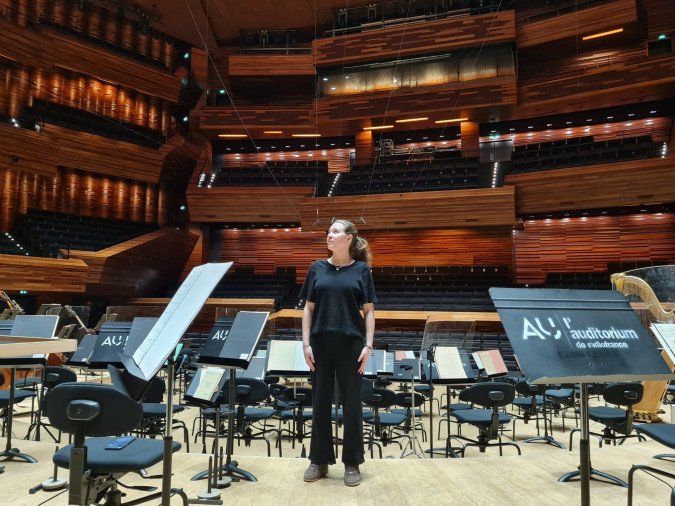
(177, 317)
(665, 333)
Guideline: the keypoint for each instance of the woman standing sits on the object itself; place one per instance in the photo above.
(337, 341)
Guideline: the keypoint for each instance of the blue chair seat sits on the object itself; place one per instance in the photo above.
(606, 414)
(456, 405)
(664, 433)
(19, 395)
(418, 412)
(560, 394)
(140, 453)
(288, 415)
(526, 402)
(257, 414)
(391, 419)
(479, 417)
(155, 409)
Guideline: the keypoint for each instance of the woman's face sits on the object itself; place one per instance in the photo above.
(337, 240)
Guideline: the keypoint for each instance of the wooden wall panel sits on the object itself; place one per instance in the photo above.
(265, 250)
(48, 48)
(271, 65)
(595, 186)
(588, 21)
(139, 267)
(414, 39)
(443, 209)
(589, 244)
(42, 274)
(645, 80)
(267, 117)
(27, 151)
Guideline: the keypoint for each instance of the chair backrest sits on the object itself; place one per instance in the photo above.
(248, 391)
(489, 395)
(409, 399)
(114, 412)
(155, 391)
(623, 394)
(302, 395)
(386, 398)
(55, 375)
(527, 389)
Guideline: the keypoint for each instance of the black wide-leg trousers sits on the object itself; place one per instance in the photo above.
(336, 356)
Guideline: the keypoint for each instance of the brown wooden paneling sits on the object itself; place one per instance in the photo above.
(607, 16)
(140, 266)
(28, 151)
(459, 208)
(271, 65)
(595, 186)
(266, 250)
(627, 83)
(298, 118)
(48, 48)
(588, 244)
(414, 39)
(241, 205)
(42, 274)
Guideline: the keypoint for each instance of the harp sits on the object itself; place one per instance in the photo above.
(651, 292)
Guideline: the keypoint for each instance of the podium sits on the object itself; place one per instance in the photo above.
(578, 336)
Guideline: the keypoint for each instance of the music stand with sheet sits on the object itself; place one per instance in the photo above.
(231, 346)
(578, 336)
(28, 326)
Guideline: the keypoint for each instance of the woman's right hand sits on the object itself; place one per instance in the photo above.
(309, 357)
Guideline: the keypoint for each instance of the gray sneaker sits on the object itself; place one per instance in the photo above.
(352, 476)
(315, 472)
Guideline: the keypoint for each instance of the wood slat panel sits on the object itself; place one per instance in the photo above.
(414, 39)
(272, 65)
(592, 20)
(42, 274)
(442, 209)
(458, 208)
(266, 250)
(141, 265)
(35, 152)
(47, 48)
(595, 186)
(242, 205)
(649, 79)
(268, 117)
(589, 244)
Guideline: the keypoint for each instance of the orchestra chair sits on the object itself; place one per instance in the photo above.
(154, 413)
(386, 427)
(52, 376)
(488, 419)
(297, 399)
(94, 414)
(20, 395)
(561, 399)
(617, 422)
(408, 406)
(249, 394)
(664, 433)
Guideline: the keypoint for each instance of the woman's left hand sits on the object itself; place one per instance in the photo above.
(363, 358)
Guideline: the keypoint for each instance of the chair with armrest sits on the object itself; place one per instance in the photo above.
(154, 413)
(384, 425)
(94, 414)
(664, 433)
(488, 419)
(618, 422)
(52, 376)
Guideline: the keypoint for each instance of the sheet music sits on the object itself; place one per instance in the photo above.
(665, 333)
(449, 363)
(490, 361)
(176, 318)
(287, 357)
(209, 380)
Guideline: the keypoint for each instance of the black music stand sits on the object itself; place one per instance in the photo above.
(578, 336)
(232, 349)
(160, 343)
(29, 326)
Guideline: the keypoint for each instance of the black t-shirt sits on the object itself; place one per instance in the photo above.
(338, 296)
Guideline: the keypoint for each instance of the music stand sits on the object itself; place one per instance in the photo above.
(33, 326)
(233, 349)
(161, 341)
(578, 336)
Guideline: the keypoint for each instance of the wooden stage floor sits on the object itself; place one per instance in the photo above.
(477, 479)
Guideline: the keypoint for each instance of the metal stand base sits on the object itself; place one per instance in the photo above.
(593, 472)
(412, 447)
(228, 470)
(545, 439)
(14, 453)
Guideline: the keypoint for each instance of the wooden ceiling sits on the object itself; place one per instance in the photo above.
(208, 23)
